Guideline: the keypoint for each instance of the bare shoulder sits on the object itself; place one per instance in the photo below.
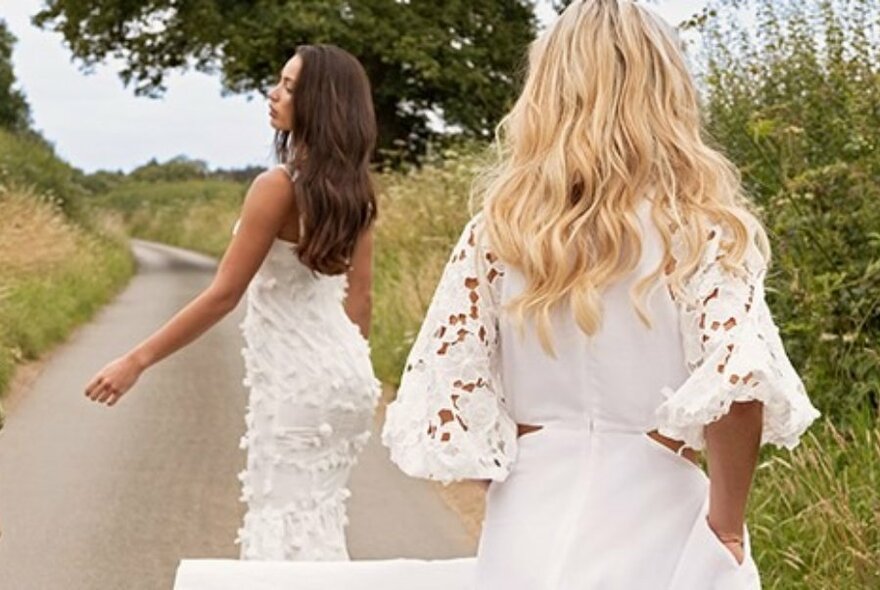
(268, 203)
(273, 181)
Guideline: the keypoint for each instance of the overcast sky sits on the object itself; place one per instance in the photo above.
(96, 123)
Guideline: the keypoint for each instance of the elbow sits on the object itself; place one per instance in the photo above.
(743, 422)
(367, 306)
(748, 411)
(223, 301)
(360, 305)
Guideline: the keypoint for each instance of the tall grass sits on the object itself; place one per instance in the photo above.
(814, 514)
(194, 214)
(421, 214)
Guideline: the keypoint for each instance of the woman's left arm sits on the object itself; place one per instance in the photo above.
(359, 299)
(742, 391)
(732, 444)
(266, 206)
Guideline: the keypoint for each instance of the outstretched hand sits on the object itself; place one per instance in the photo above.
(110, 383)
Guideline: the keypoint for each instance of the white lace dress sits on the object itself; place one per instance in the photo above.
(310, 410)
(590, 501)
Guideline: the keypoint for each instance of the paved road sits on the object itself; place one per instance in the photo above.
(97, 498)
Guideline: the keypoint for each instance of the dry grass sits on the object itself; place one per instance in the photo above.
(54, 274)
(420, 217)
(35, 237)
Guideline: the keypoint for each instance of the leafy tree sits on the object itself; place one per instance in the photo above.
(14, 110)
(175, 169)
(242, 175)
(457, 59)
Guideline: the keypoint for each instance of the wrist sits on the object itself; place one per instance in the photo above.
(139, 359)
(726, 534)
(731, 539)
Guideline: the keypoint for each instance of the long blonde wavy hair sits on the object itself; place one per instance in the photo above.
(609, 116)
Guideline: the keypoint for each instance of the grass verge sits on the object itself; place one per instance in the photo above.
(54, 275)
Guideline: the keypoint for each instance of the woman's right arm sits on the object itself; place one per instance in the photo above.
(266, 206)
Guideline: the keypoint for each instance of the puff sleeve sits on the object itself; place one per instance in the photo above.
(734, 354)
(449, 420)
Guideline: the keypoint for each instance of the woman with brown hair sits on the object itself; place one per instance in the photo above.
(302, 251)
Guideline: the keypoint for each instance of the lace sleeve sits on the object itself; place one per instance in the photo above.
(734, 354)
(449, 421)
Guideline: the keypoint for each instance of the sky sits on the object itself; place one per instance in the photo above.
(97, 123)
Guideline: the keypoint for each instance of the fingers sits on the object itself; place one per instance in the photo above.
(107, 392)
(102, 391)
(93, 386)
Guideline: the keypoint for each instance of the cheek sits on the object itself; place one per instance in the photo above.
(286, 104)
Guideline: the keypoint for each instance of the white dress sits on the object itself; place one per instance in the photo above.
(309, 414)
(590, 501)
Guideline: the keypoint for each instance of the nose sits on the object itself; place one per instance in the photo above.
(273, 93)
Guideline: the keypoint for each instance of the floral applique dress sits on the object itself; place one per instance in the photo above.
(310, 411)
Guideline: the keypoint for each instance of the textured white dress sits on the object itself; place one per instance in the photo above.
(310, 410)
(590, 501)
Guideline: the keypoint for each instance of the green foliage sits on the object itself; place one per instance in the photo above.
(195, 214)
(14, 110)
(795, 100)
(796, 103)
(459, 59)
(179, 168)
(27, 160)
(826, 229)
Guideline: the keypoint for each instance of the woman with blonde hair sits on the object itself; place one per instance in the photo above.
(600, 321)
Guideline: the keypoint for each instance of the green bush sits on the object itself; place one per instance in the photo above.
(793, 94)
(28, 161)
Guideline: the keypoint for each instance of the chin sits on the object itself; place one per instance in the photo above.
(277, 126)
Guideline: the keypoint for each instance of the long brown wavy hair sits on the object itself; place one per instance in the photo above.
(330, 148)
